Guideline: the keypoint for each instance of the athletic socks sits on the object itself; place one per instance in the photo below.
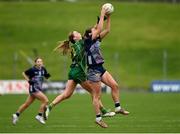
(117, 106)
(98, 117)
(51, 106)
(40, 114)
(18, 114)
(103, 110)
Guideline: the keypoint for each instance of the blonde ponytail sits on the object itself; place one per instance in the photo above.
(64, 47)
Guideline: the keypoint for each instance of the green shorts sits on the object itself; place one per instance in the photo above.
(77, 74)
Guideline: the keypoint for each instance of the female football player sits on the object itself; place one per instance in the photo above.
(96, 72)
(35, 77)
(77, 74)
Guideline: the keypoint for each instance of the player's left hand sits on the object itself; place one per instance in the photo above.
(47, 75)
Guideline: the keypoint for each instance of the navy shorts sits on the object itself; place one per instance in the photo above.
(95, 73)
(33, 89)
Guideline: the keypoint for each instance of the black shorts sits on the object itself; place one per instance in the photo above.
(33, 89)
(95, 73)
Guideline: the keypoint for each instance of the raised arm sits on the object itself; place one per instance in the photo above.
(107, 28)
(96, 31)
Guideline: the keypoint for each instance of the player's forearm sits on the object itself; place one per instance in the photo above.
(25, 76)
(101, 21)
(108, 25)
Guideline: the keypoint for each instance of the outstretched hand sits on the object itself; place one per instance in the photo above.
(47, 75)
(103, 11)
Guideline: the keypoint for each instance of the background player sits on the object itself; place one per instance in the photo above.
(34, 76)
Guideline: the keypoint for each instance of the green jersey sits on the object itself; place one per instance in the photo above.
(78, 66)
(78, 55)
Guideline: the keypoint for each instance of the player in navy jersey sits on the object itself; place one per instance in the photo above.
(35, 77)
(96, 72)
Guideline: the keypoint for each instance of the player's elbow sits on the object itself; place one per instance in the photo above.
(23, 73)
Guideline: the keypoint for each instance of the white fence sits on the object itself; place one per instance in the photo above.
(13, 87)
(21, 87)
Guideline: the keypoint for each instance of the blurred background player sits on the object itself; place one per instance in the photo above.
(35, 77)
(96, 72)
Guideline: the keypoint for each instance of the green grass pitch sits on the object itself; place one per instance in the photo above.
(150, 112)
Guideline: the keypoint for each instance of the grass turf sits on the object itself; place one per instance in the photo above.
(150, 112)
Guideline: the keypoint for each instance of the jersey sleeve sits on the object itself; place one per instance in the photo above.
(88, 43)
(29, 72)
(46, 74)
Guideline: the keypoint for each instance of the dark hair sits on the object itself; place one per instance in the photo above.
(37, 59)
(87, 33)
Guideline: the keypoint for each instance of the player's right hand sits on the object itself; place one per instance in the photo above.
(103, 11)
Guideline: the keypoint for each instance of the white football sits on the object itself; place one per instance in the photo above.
(108, 7)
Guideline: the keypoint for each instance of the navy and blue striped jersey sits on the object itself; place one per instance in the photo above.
(37, 75)
(92, 48)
